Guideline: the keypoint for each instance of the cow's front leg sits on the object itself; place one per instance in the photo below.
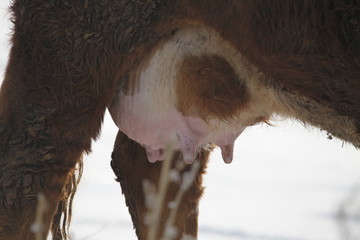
(133, 171)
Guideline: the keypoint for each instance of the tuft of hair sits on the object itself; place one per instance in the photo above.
(62, 219)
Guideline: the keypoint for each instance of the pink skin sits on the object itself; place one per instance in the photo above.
(155, 132)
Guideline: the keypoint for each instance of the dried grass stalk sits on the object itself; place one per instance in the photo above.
(38, 227)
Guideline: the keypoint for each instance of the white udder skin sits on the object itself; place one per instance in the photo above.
(149, 116)
(155, 133)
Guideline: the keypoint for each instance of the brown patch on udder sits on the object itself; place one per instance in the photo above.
(209, 87)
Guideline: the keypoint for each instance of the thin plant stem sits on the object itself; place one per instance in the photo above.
(188, 179)
(38, 226)
(161, 193)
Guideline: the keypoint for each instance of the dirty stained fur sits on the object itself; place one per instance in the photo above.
(69, 59)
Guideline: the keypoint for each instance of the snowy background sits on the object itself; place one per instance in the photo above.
(287, 182)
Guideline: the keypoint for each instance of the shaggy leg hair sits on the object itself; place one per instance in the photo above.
(62, 218)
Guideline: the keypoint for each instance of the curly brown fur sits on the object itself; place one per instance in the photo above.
(63, 64)
(65, 60)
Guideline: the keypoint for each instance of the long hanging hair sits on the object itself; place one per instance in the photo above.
(62, 218)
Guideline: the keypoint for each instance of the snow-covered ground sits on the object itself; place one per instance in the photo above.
(287, 182)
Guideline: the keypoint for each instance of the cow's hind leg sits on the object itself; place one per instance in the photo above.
(52, 103)
(38, 157)
(133, 171)
(40, 147)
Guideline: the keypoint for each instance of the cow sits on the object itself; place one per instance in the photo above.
(174, 74)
